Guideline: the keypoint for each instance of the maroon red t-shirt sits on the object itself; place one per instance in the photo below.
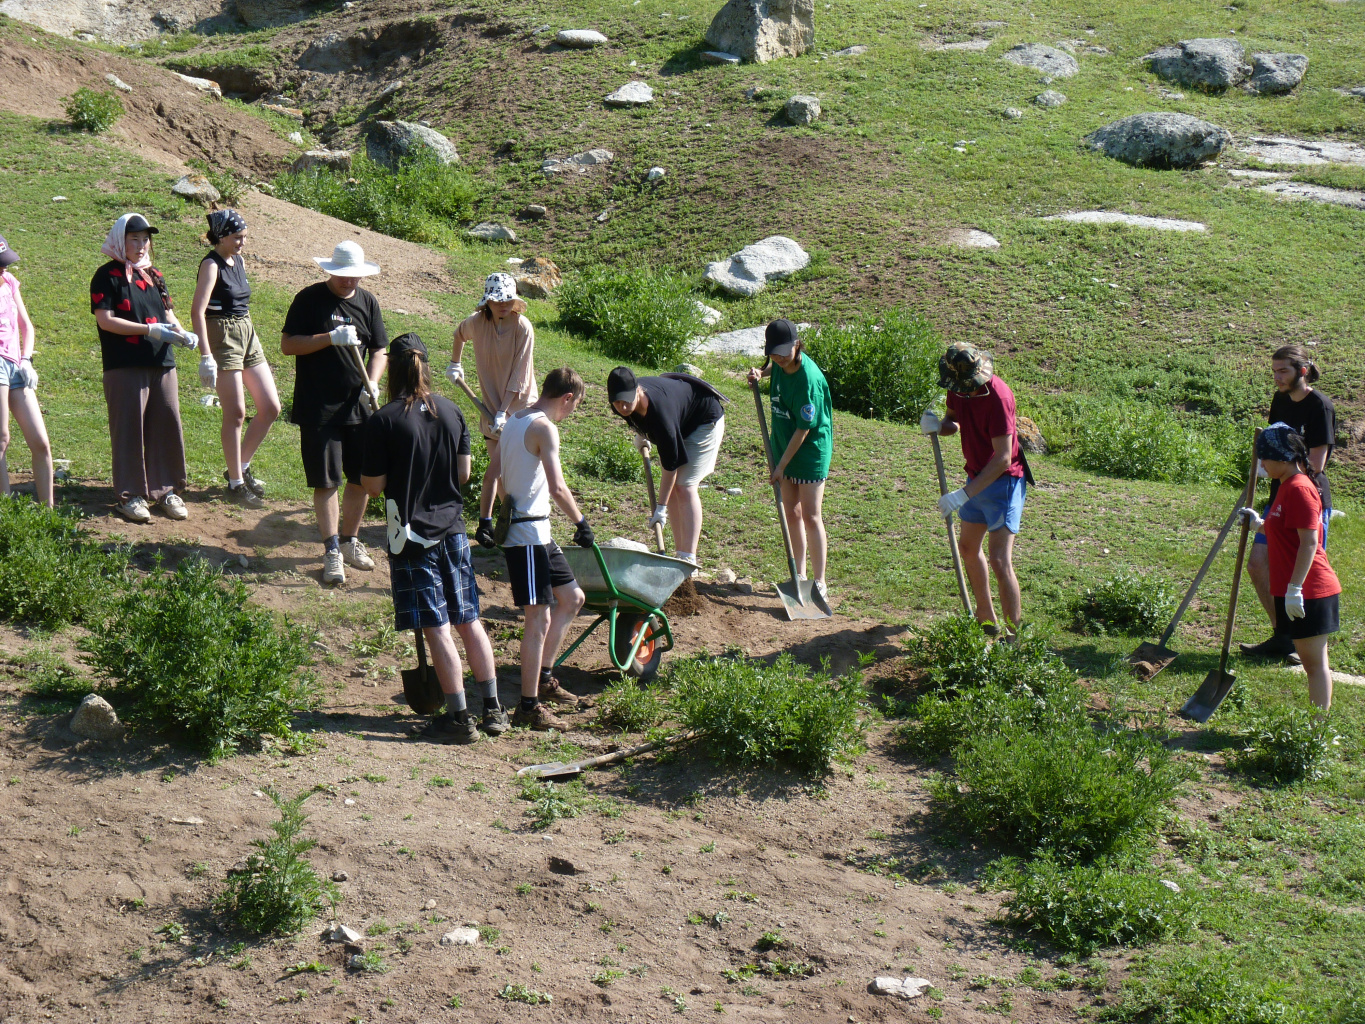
(982, 417)
(1297, 507)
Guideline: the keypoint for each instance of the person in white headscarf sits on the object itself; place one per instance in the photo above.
(138, 332)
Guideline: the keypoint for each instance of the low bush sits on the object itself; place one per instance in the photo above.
(186, 654)
(551, 801)
(882, 367)
(50, 574)
(1140, 441)
(940, 720)
(1070, 792)
(1288, 745)
(279, 892)
(1083, 908)
(957, 655)
(753, 713)
(94, 112)
(609, 455)
(1194, 986)
(423, 201)
(1128, 601)
(636, 316)
(628, 706)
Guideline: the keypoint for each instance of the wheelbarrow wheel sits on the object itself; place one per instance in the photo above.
(647, 658)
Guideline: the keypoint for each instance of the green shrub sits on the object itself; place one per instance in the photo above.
(753, 713)
(279, 892)
(1193, 986)
(609, 455)
(882, 367)
(628, 706)
(50, 574)
(1083, 908)
(957, 655)
(94, 112)
(942, 719)
(1139, 441)
(1289, 745)
(232, 187)
(1128, 601)
(1068, 791)
(636, 316)
(187, 654)
(423, 201)
(551, 801)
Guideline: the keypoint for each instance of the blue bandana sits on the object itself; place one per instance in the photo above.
(223, 223)
(1273, 443)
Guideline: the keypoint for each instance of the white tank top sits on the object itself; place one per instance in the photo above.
(523, 477)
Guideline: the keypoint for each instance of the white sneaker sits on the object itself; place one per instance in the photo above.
(819, 587)
(173, 507)
(333, 572)
(135, 510)
(355, 555)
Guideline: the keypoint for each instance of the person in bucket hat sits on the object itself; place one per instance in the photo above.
(991, 505)
(19, 382)
(504, 360)
(330, 405)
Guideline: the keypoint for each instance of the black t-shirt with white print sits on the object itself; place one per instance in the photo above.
(417, 452)
(328, 387)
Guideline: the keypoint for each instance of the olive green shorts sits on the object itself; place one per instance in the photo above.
(234, 343)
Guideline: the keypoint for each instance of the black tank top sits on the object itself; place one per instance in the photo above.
(231, 295)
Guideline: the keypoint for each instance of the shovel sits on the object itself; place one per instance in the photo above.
(798, 596)
(653, 504)
(478, 404)
(421, 688)
(560, 769)
(952, 534)
(1219, 682)
(370, 396)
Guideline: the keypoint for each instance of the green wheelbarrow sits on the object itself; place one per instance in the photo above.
(627, 590)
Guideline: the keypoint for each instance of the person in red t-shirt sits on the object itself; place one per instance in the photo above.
(1306, 590)
(981, 405)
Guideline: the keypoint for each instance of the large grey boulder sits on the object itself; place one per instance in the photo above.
(263, 13)
(1213, 64)
(803, 109)
(1275, 73)
(95, 719)
(632, 94)
(1050, 98)
(1046, 59)
(389, 142)
(196, 187)
(488, 231)
(580, 38)
(1160, 139)
(748, 271)
(758, 31)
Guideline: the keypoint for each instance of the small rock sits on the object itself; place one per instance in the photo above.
(1049, 98)
(803, 109)
(429, 905)
(709, 317)
(734, 491)
(632, 94)
(187, 821)
(971, 238)
(1132, 220)
(197, 187)
(748, 271)
(202, 84)
(461, 937)
(579, 162)
(1013, 113)
(348, 802)
(1046, 59)
(296, 138)
(490, 232)
(904, 988)
(655, 173)
(534, 212)
(243, 561)
(340, 876)
(258, 793)
(1170, 885)
(747, 342)
(344, 933)
(1030, 436)
(1273, 74)
(96, 719)
(117, 82)
(537, 278)
(356, 962)
(850, 51)
(689, 368)
(604, 216)
(725, 575)
(717, 57)
(1161, 139)
(240, 868)
(84, 37)
(392, 88)
(209, 401)
(580, 38)
(59, 199)
(763, 30)
(701, 990)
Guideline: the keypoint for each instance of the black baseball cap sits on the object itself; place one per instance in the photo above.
(621, 385)
(409, 342)
(7, 255)
(780, 338)
(137, 222)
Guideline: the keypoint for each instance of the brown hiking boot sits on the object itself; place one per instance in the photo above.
(542, 719)
(558, 696)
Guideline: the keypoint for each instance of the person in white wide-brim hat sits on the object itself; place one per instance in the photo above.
(330, 406)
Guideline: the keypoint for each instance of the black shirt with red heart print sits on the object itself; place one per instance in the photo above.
(140, 302)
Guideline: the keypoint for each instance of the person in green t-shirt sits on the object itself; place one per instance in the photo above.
(803, 442)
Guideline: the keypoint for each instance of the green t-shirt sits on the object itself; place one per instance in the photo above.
(801, 402)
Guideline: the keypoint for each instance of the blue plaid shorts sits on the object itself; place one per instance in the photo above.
(434, 586)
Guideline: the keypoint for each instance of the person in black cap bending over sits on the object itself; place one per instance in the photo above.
(417, 455)
(684, 417)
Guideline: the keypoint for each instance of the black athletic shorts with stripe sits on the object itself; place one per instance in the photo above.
(534, 571)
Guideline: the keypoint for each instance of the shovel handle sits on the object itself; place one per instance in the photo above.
(365, 376)
(952, 534)
(478, 403)
(777, 488)
(1249, 493)
(421, 647)
(653, 502)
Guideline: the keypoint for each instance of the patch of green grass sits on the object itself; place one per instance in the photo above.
(882, 366)
(203, 65)
(51, 573)
(608, 456)
(551, 801)
(636, 316)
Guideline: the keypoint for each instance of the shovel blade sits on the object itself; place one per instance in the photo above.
(1149, 659)
(800, 601)
(550, 770)
(1212, 690)
(422, 690)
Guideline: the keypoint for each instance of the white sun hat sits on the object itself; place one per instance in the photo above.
(499, 287)
(348, 260)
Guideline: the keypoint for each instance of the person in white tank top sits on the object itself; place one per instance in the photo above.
(526, 462)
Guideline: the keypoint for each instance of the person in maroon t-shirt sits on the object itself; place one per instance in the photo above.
(1306, 591)
(981, 405)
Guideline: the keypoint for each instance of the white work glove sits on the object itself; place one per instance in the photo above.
(345, 337)
(659, 518)
(1251, 516)
(186, 339)
(499, 421)
(929, 423)
(208, 371)
(163, 333)
(455, 373)
(641, 443)
(1293, 602)
(952, 501)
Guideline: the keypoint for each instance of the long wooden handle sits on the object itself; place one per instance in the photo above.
(1237, 572)
(478, 403)
(777, 487)
(643, 748)
(653, 503)
(370, 396)
(952, 534)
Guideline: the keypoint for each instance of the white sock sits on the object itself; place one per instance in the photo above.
(686, 556)
(234, 484)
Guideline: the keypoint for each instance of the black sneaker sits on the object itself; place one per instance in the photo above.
(1278, 646)
(495, 721)
(444, 729)
(257, 487)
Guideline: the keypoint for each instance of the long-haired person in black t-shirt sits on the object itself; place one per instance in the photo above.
(1312, 416)
(231, 356)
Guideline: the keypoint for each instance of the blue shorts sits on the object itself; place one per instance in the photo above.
(1326, 521)
(434, 586)
(1000, 504)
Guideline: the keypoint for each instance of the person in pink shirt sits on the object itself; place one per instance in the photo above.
(19, 382)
